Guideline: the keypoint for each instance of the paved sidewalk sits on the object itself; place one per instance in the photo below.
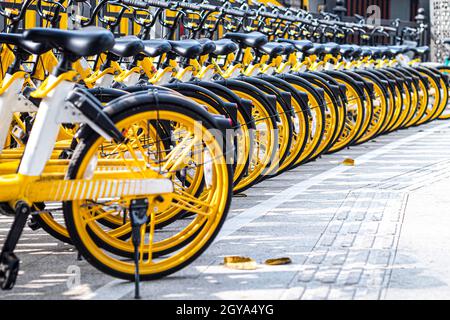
(377, 230)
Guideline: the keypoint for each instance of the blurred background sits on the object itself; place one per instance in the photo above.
(434, 15)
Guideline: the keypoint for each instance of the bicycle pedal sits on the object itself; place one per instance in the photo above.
(9, 269)
(66, 154)
(33, 224)
(19, 134)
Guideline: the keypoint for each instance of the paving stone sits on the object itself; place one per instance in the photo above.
(388, 229)
(327, 275)
(341, 293)
(369, 227)
(293, 293)
(346, 240)
(328, 239)
(379, 257)
(335, 227)
(318, 257)
(339, 258)
(353, 228)
(354, 276)
(316, 293)
(307, 274)
(342, 215)
(359, 257)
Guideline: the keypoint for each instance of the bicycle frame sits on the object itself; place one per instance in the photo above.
(12, 101)
(29, 184)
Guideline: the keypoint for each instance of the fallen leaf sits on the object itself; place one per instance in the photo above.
(348, 162)
(240, 195)
(240, 263)
(278, 261)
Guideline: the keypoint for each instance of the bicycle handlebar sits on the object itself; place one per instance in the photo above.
(20, 16)
(136, 3)
(280, 15)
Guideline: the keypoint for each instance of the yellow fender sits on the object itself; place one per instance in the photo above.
(148, 67)
(6, 59)
(46, 63)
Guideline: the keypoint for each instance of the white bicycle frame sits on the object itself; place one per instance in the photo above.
(52, 112)
(12, 101)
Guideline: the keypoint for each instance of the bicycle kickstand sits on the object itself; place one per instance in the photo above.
(138, 216)
(9, 263)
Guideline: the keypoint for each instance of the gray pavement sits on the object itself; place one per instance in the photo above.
(376, 230)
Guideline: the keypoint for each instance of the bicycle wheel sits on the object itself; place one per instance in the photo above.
(395, 86)
(443, 91)
(407, 95)
(380, 107)
(355, 112)
(316, 118)
(245, 124)
(161, 253)
(331, 112)
(434, 94)
(283, 120)
(422, 98)
(299, 119)
(413, 89)
(446, 112)
(265, 135)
